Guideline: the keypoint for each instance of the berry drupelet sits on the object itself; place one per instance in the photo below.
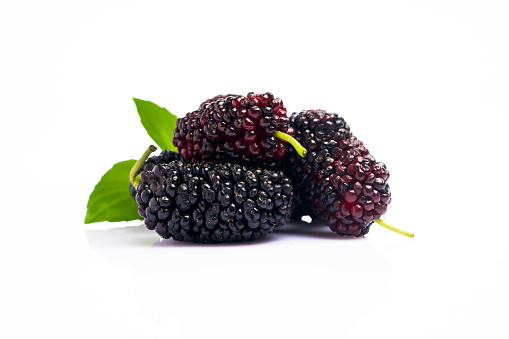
(165, 157)
(217, 97)
(235, 128)
(318, 129)
(213, 203)
(346, 187)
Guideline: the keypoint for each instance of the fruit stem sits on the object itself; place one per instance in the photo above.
(392, 228)
(298, 147)
(135, 180)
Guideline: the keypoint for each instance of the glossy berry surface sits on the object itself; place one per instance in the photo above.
(164, 157)
(343, 183)
(318, 129)
(213, 203)
(217, 97)
(235, 129)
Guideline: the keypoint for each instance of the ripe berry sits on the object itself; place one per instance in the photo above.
(210, 203)
(234, 128)
(343, 183)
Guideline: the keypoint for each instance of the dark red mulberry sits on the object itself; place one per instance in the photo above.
(343, 183)
(233, 128)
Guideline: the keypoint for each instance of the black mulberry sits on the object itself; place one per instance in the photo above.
(213, 203)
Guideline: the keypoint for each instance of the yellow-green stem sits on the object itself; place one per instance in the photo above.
(392, 228)
(135, 180)
(298, 147)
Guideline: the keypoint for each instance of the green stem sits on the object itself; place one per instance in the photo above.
(392, 228)
(135, 180)
(298, 147)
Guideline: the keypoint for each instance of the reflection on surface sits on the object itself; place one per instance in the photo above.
(286, 283)
(120, 236)
(141, 236)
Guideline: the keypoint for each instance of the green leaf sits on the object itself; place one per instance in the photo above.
(111, 199)
(158, 122)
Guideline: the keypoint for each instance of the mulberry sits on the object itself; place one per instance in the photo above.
(342, 181)
(213, 203)
(239, 129)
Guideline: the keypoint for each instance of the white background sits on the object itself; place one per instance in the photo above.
(423, 83)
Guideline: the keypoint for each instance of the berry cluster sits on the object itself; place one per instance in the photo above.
(343, 183)
(234, 128)
(236, 180)
(212, 203)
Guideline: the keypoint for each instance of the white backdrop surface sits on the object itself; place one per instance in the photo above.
(423, 83)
